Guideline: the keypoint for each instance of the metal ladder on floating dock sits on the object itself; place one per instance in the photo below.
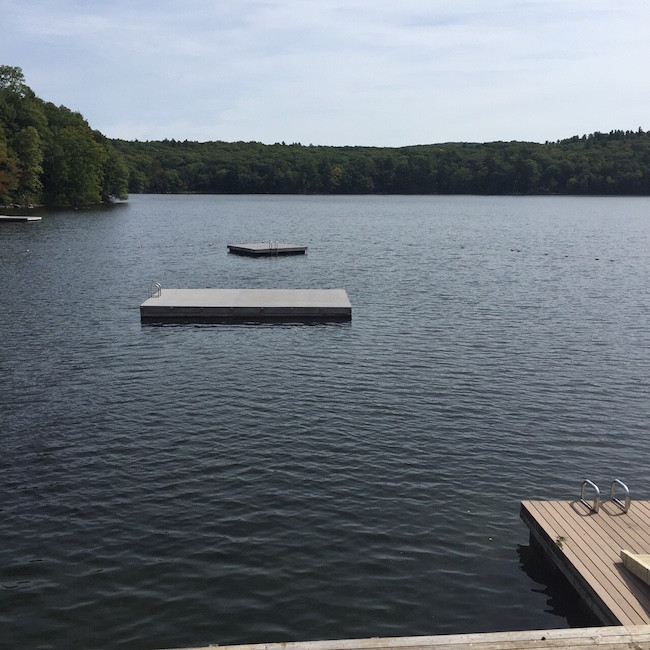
(155, 289)
(594, 506)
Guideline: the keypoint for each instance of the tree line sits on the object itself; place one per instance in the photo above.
(615, 163)
(49, 155)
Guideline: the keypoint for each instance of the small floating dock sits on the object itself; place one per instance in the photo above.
(590, 638)
(17, 217)
(267, 249)
(585, 541)
(245, 306)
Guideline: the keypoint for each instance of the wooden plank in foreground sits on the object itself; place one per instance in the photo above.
(247, 306)
(267, 248)
(586, 548)
(602, 638)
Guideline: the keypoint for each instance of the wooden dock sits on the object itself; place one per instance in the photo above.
(268, 248)
(17, 217)
(586, 547)
(246, 306)
(596, 638)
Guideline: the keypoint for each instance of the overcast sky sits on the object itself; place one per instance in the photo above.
(337, 72)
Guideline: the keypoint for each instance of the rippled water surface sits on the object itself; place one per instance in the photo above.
(185, 485)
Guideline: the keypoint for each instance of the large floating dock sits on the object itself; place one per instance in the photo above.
(17, 217)
(590, 638)
(267, 249)
(585, 544)
(246, 306)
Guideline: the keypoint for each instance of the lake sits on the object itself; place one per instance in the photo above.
(184, 485)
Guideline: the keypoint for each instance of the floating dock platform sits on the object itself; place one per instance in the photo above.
(9, 218)
(589, 638)
(267, 249)
(585, 542)
(246, 306)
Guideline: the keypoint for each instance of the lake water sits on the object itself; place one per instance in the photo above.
(184, 485)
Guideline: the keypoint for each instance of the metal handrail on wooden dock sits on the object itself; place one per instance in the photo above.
(587, 483)
(624, 506)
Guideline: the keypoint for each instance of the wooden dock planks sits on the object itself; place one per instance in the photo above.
(603, 638)
(586, 547)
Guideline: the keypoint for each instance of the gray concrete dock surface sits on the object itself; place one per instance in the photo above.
(247, 306)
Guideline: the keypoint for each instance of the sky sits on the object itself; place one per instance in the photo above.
(384, 73)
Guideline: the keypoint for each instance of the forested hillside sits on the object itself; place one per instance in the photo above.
(50, 155)
(616, 163)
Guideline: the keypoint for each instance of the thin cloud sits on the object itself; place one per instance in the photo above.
(370, 72)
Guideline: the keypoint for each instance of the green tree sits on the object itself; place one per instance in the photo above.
(74, 169)
(27, 145)
(49, 153)
(8, 171)
(13, 80)
(526, 176)
(116, 177)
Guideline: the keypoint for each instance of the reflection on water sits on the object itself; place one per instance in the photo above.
(561, 598)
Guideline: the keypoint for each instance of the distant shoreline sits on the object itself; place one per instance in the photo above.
(613, 164)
